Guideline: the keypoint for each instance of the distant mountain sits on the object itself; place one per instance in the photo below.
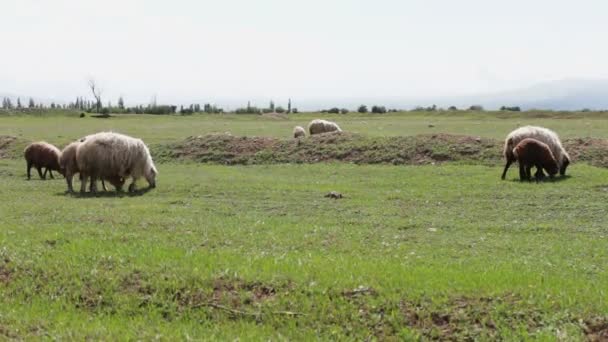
(568, 94)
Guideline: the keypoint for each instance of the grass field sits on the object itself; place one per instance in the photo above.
(257, 252)
(62, 129)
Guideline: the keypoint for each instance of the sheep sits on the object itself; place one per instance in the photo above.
(531, 152)
(541, 134)
(109, 154)
(298, 132)
(318, 126)
(67, 162)
(42, 155)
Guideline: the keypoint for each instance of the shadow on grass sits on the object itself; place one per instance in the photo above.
(544, 180)
(104, 194)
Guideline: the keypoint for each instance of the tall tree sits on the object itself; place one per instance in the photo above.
(121, 103)
(31, 103)
(96, 91)
(18, 103)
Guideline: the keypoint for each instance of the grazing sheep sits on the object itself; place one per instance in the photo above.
(299, 131)
(108, 154)
(42, 155)
(318, 126)
(67, 162)
(531, 152)
(541, 134)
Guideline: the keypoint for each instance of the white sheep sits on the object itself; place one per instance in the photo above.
(109, 154)
(541, 134)
(298, 132)
(318, 126)
(67, 162)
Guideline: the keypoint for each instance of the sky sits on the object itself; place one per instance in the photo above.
(199, 50)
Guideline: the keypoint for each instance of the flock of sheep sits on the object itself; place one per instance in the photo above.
(535, 146)
(114, 157)
(316, 126)
(105, 156)
(530, 146)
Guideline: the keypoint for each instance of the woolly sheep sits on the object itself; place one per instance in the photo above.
(299, 131)
(108, 154)
(42, 155)
(541, 134)
(531, 152)
(67, 162)
(318, 126)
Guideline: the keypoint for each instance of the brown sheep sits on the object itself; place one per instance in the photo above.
(42, 155)
(531, 152)
(541, 134)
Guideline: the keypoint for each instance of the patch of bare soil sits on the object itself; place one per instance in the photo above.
(6, 271)
(235, 294)
(136, 282)
(6, 145)
(91, 297)
(465, 318)
(6, 332)
(596, 329)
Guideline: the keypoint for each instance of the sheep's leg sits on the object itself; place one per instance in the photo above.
(539, 175)
(132, 186)
(29, 168)
(103, 185)
(68, 179)
(522, 172)
(504, 173)
(40, 172)
(93, 187)
(529, 172)
(83, 182)
(51, 173)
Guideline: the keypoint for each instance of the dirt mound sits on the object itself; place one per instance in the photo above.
(354, 148)
(222, 148)
(345, 147)
(590, 150)
(7, 145)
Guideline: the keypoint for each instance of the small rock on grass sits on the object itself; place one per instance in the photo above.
(334, 195)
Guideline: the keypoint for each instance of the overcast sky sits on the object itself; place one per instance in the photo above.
(184, 50)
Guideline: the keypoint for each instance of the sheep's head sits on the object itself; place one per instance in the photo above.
(150, 175)
(565, 163)
(552, 169)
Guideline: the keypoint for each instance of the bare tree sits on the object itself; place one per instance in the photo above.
(96, 93)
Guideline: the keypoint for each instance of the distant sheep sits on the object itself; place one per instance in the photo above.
(541, 134)
(531, 152)
(108, 154)
(319, 126)
(67, 162)
(42, 155)
(298, 132)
